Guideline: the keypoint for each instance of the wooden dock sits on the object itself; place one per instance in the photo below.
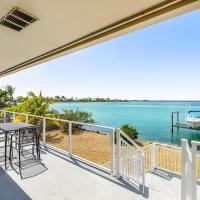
(177, 124)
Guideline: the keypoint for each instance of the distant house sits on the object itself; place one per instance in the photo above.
(2, 105)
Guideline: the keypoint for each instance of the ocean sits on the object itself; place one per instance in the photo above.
(152, 119)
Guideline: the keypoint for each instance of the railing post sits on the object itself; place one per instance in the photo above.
(143, 172)
(172, 122)
(194, 169)
(44, 131)
(70, 138)
(26, 118)
(118, 152)
(113, 152)
(4, 116)
(14, 116)
(186, 172)
(153, 157)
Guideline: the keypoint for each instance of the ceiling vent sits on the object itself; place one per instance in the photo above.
(17, 19)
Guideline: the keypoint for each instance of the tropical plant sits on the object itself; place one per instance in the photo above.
(9, 93)
(33, 104)
(2, 96)
(78, 116)
(6, 94)
(130, 131)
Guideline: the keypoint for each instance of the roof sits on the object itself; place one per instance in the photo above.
(69, 26)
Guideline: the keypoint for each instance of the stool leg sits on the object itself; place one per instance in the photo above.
(19, 151)
(11, 149)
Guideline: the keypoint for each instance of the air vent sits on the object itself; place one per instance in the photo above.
(17, 19)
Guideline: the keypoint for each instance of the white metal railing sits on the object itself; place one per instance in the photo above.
(70, 145)
(168, 158)
(162, 156)
(131, 163)
(189, 171)
(195, 153)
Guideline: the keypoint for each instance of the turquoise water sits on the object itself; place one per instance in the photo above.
(152, 119)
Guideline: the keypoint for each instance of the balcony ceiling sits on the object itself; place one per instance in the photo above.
(66, 26)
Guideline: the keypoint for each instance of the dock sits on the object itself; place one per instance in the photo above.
(177, 124)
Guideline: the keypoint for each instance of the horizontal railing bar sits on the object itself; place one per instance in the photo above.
(195, 143)
(167, 145)
(129, 139)
(61, 120)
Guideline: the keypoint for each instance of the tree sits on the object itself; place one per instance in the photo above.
(130, 131)
(20, 99)
(6, 94)
(35, 105)
(2, 96)
(32, 104)
(79, 116)
(57, 98)
(9, 93)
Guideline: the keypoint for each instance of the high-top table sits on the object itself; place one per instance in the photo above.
(8, 128)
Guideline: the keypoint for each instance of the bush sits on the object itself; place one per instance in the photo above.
(78, 116)
(130, 131)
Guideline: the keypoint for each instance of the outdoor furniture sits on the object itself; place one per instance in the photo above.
(13, 128)
(2, 134)
(23, 138)
(5, 119)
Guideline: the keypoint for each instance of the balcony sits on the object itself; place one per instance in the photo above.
(132, 172)
(61, 177)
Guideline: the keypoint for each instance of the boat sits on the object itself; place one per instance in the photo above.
(193, 119)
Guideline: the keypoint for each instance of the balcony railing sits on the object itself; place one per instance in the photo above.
(125, 157)
(117, 153)
(167, 158)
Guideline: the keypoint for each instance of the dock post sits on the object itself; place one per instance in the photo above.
(177, 119)
(172, 122)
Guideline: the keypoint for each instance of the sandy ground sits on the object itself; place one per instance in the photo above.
(96, 148)
(89, 145)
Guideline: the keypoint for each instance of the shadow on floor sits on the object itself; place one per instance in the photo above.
(119, 181)
(30, 166)
(164, 174)
(9, 189)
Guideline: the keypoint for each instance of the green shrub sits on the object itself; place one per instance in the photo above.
(78, 116)
(130, 131)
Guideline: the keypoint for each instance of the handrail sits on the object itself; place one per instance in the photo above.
(167, 145)
(123, 136)
(131, 141)
(139, 150)
(57, 119)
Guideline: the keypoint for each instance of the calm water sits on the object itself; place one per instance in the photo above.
(152, 119)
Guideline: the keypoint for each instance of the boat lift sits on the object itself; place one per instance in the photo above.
(175, 122)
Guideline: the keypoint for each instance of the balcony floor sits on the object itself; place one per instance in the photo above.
(63, 178)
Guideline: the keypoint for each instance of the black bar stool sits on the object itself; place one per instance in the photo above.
(23, 138)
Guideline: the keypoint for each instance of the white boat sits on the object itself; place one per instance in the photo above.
(193, 120)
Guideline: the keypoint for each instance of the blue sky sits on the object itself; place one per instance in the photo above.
(160, 62)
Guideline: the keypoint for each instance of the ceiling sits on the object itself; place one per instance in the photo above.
(65, 26)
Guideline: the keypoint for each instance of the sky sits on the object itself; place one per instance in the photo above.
(160, 62)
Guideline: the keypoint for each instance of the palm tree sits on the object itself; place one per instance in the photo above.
(2, 95)
(35, 105)
(9, 90)
(38, 105)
